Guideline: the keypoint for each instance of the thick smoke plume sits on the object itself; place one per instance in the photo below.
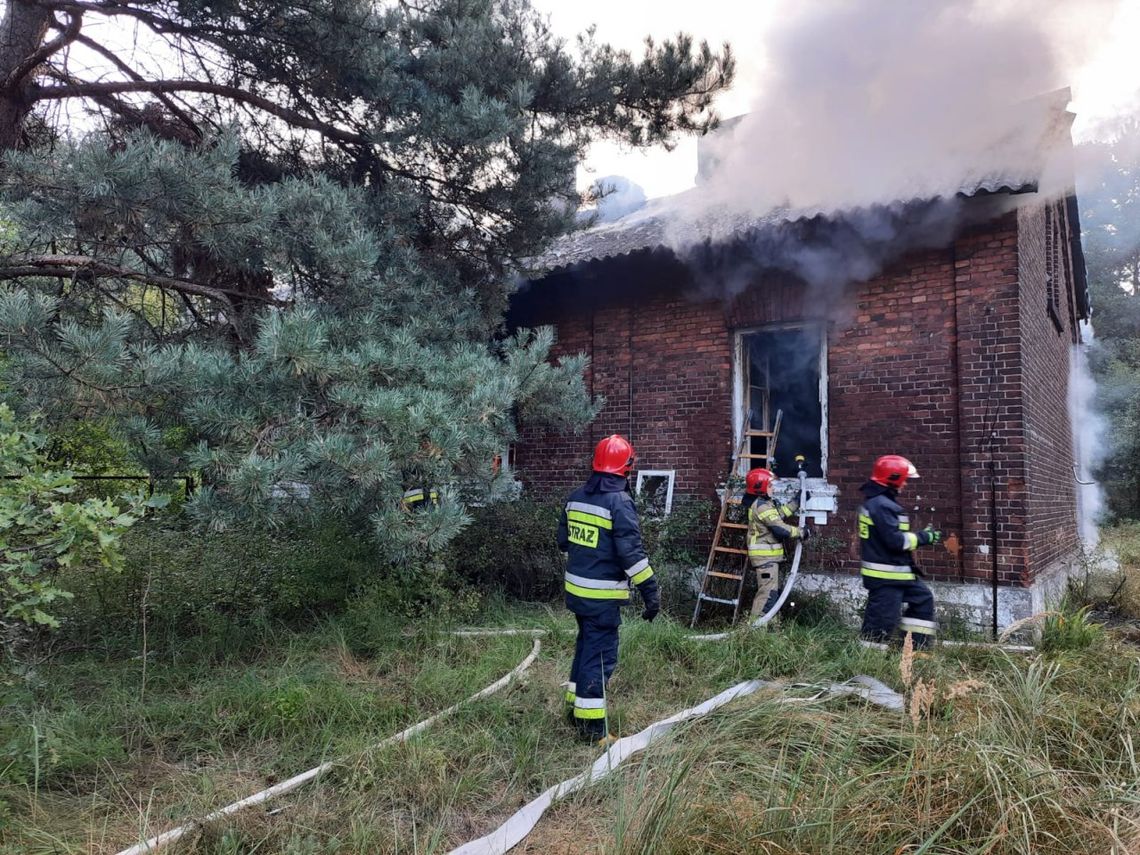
(1090, 439)
(870, 105)
(872, 101)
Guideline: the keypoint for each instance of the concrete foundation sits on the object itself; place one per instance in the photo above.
(968, 605)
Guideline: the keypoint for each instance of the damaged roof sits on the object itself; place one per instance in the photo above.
(682, 221)
(666, 222)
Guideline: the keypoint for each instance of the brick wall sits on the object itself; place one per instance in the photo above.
(663, 364)
(936, 358)
(1047, 337)
(991, 437)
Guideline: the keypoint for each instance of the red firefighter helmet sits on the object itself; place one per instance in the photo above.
(893, 470)
(614, 455)
(756, 482)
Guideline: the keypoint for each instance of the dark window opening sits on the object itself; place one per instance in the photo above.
(1053, 266)
(783, 374)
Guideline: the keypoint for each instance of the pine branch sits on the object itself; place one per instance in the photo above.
(111, 57)
(34, 60)
(80, 265)
(80, 89)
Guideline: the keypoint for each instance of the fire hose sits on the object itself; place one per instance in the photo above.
(168, 837)
(522, 822)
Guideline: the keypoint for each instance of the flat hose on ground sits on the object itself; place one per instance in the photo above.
(168, 837)
(523, 821)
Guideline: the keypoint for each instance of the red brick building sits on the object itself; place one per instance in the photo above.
(956, 355)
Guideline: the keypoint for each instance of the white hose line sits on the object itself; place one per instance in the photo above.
(482, 633)
(293, 783)
(523, 821)
(980, 645)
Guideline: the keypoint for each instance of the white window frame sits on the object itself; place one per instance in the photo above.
(739, 379)
(670, 475)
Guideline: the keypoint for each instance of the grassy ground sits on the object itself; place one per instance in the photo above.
(996, 754)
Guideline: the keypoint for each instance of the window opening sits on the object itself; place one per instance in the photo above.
(655, 486)
(1053, 267)
(783, 369)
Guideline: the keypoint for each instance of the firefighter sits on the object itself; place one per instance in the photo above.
(768, 531)
(419, 498)
(600, 533)
(887, 547)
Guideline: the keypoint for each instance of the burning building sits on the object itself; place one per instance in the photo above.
(940, 328)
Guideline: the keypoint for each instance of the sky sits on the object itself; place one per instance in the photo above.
(1104, 75)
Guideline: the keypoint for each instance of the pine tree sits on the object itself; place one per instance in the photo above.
(284, 267)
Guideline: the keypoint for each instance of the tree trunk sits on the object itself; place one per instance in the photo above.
(22, 32)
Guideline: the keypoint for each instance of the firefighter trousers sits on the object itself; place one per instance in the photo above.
(767, 587)
(884, 617)
(595, 657)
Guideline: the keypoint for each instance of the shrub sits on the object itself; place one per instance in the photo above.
(1070, 629)
(46, 533)
(511, 547)
(683, 536)
(190, 582)
(810, 609)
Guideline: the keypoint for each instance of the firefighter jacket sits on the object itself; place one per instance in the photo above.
(419, 498)
(885, 540)
(768, 530)
(599, 531)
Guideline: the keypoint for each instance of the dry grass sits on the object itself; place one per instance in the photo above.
(996, 754)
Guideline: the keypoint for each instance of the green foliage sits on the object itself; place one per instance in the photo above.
(88, 447)
(184, 583)
(512, 547)
(44, 534)
(682, 536)
(1123, 543)
(1070, 629)
(312, 305)
(812, 610)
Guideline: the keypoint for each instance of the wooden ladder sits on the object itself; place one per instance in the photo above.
(727, 566)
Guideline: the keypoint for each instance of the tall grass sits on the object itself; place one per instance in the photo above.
(1003, 754)
(1025, 761)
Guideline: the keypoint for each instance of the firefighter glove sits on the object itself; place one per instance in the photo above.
(929, 535)
(652, 604)
(805, 534)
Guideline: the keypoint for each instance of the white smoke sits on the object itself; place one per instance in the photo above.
(872, 101)
(1090, 439)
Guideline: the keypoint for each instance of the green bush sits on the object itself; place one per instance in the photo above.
(807, 609)
(683, 536)
(511, 547)
(47, 534)
(192, 583)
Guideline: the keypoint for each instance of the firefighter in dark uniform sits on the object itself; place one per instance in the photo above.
(599, 530)
(768, 532)
(419, 498)
(887, 547)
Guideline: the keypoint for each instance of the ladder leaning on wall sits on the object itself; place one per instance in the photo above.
(727, 565)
